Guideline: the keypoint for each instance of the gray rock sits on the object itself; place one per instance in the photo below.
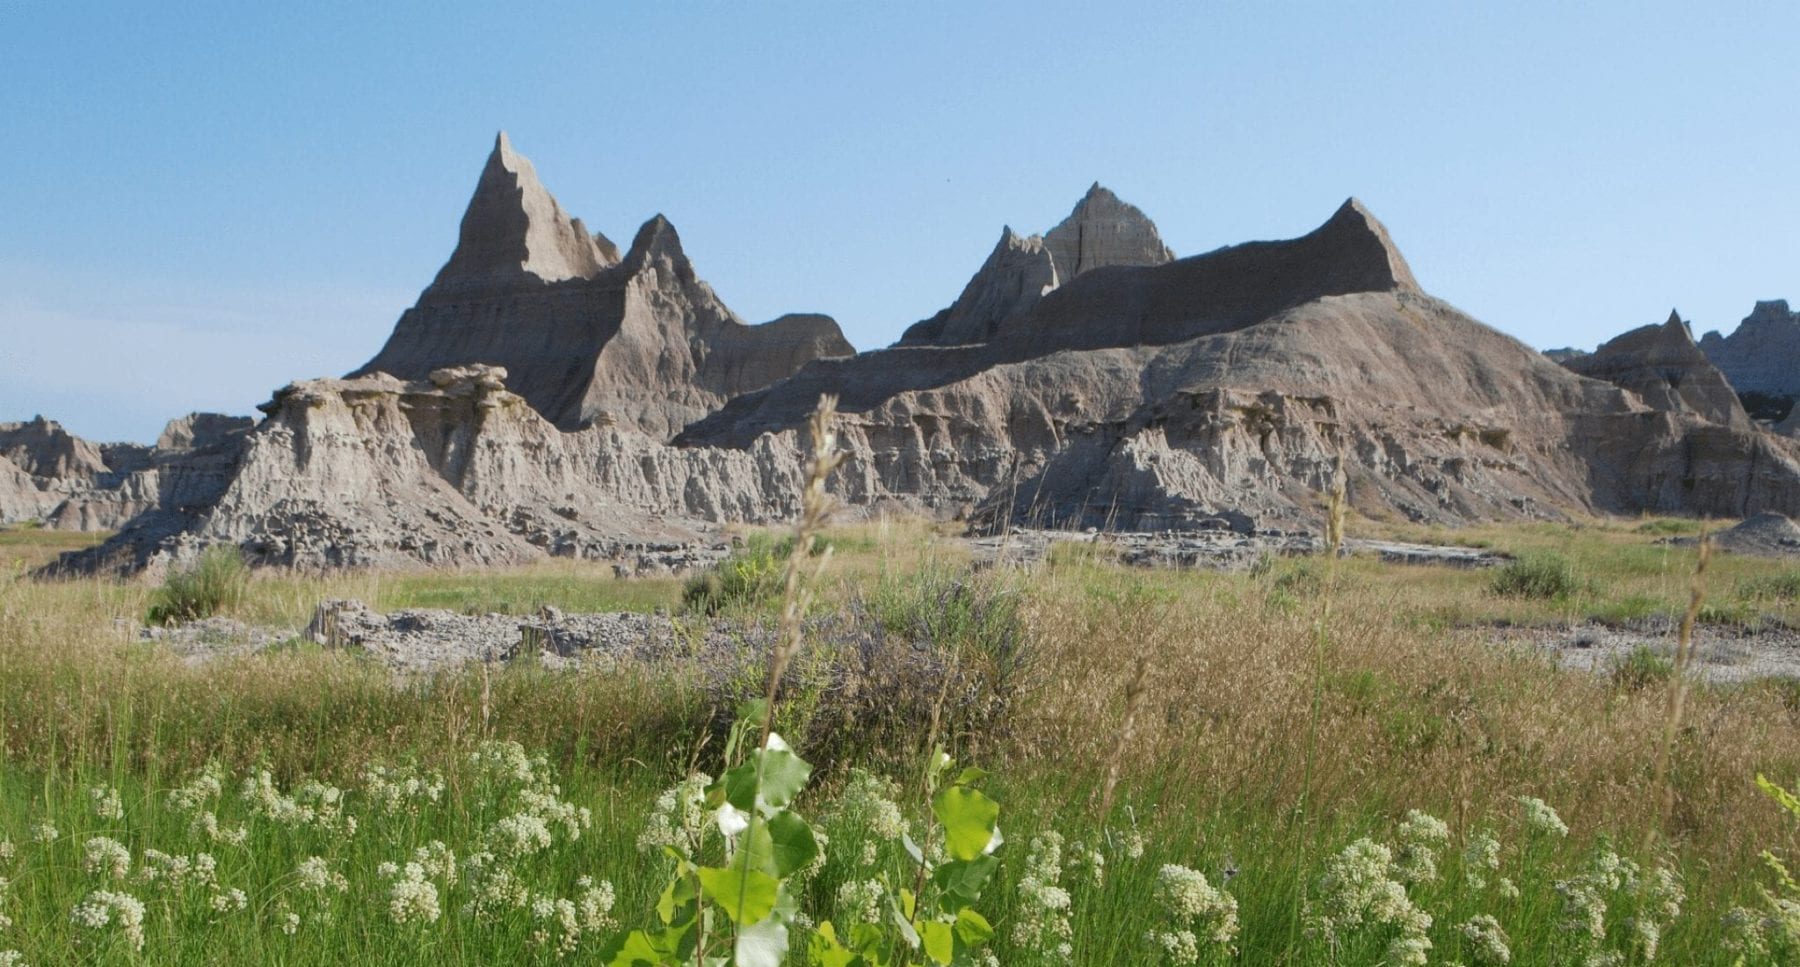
(1763, 354)
(1663, 366)
(589, 337)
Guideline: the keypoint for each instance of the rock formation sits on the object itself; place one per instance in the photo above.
(1102, 231)
(1223, 389)
(454, 470)
(1082, 379)
(86, 486)
(1763, 355)
(1663, 366)
(588, 336)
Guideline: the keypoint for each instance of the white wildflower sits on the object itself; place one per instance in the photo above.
(1191, 901)
(679, 819)
(1409, 950)
(107, 804)
(507, 761)
(7, 851)
(520, 834)
(396, 791)
(205, 786)
(869, 800)
(12, 958)
(412, 898)
(315, 875)
(1359, 889)
(290, 923)
(107, 857)
(230, 901)
(1540, 818)
(1481, 859)
(177, 872)
(1488, 944)
(104, 908)
(438, 862)
(44, 831)
(1420, 836)
(1043, 914)
(205, 824)
(859, 901)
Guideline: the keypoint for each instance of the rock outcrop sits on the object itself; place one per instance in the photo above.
(1102, 231)
(587, 336)
(86, 486)
(455, 470)
(1763, 354)
(1663, 366)
(1223, 389)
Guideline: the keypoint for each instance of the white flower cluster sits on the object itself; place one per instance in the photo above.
(228, 901)
(1541, 819)
(507, 762)
(1088, 864)
(1419, 838)
(395, 790)
(107, 804)
(315, 875)
(1043, 926)
(204, 787)
(7, 851)
(1199, 914)
(104, 908)
(679, 819)
(1654, 900)
(561, 923)
(412, 897)
(314, 804)
(106, 857)
(495, 889)
(205, 825)
(1481, 859)
(1360, 889)
(44, 831)
(1488, 945)
(5, 887)
(174, 873)
(870, 801)
(859, 901)
(517, 835)
(12, 958)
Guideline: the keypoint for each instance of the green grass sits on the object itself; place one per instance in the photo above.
(1414, 711)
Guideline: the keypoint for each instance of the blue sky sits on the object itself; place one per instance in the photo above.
(201, 202)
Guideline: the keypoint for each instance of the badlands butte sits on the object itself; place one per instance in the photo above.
(553, 394)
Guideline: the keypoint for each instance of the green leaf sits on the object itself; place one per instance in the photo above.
(973, 928)
(969, 819)
(907, 933)
(912, 848)
(784, 774)
(675, 897)
(739, 785)
(962, 880)
(939, 940)
(762, 944)
(793, 845)
(643, 949)
(971, 776)
(825, 951)
(745, 894)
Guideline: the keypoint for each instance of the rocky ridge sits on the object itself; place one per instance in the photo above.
(1663, 366)
(1763, 354)
(53, 477)
(589, 336)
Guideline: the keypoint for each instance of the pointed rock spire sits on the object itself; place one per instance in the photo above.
(1360, 235)
(1103, 230)
(1017, 273)
(514, 231)
(658, 244)
(1662, 364)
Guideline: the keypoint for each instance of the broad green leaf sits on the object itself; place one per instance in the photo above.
(675, 898)
(973, 928)
(784, 774)
(971, 776)
(939, 941)
(762, 944)
(643, 949)
(825, 951)
(739, 785)
(792, 841)
(745, 894)
(962, 880)
(969, 819)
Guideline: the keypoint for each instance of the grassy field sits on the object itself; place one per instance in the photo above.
(1337, 749)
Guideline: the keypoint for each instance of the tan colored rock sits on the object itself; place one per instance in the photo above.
(1103, 231)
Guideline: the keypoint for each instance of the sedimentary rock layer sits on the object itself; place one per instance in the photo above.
(1763, 354)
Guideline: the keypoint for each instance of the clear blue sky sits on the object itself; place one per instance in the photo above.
(199, 206)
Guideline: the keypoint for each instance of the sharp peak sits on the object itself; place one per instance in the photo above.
(656, 237)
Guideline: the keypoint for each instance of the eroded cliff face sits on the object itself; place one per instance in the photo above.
(455, 470)
(588, 336)
(1763, 354)
(1663, 366)
(64, 482)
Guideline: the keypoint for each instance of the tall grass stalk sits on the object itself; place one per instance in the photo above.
(1678, 686)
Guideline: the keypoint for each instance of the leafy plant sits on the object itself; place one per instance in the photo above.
(1641, 668)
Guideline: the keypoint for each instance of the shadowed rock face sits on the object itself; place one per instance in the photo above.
(1102, 231)
(1663, 366)
(586, 335)
(1763, 354)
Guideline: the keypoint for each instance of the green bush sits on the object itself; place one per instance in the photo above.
(214, 582)
(750, 577)
(1545, 577)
